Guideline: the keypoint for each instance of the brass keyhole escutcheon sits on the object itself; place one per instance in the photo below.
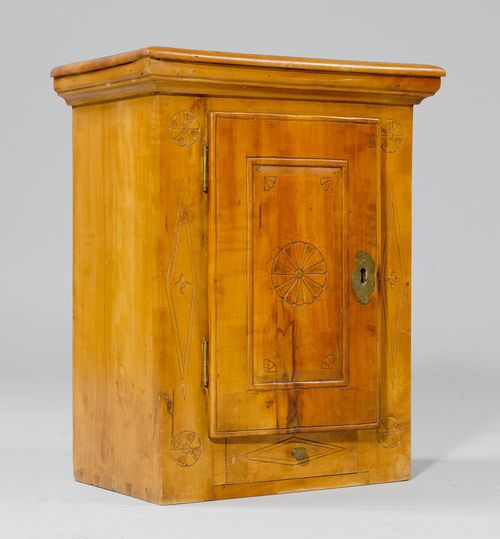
(300, 453)
(363, 277)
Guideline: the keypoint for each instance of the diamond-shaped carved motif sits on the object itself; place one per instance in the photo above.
(182, 288)
(395, 277)
(293, 451)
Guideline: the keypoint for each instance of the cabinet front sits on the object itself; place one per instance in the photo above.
(294, 238)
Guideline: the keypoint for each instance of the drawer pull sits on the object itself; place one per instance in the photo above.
(300, 453)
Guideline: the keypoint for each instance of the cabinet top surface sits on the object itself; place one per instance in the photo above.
(250, 60)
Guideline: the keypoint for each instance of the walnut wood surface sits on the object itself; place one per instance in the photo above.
(144, 242)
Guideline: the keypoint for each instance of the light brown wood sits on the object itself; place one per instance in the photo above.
(175, 71)
(117, 337)
(160, 266)
(273, 328)
(228, 58)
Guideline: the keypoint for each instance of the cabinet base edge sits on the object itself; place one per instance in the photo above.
(263, 488)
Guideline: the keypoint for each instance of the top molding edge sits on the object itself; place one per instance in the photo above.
(251, 60)
(160, 71)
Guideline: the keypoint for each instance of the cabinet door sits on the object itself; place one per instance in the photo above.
(294, 233)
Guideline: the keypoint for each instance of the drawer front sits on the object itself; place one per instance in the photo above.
(291, 457)
(293, 245)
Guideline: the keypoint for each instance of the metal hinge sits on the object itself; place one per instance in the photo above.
(205, 170)
(204, 354)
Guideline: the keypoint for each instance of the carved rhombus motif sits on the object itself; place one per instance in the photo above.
(394, 278)
(182, 287)
(284, 452)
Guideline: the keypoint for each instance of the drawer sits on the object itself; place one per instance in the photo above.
(290, 457)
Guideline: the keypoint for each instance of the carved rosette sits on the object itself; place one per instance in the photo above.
(392, 136)
(184, 128)
(299, 273)
(186, 448)
(390, 432)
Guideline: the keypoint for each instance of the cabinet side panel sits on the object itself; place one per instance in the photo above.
(116, 298)
(187, 451)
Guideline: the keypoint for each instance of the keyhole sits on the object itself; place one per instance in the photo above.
(363, 275)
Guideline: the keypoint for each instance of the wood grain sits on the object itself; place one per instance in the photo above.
(272, 458)
(172, 71)
(117, 335)
(249, 321)
(240, 59)
(323, 158)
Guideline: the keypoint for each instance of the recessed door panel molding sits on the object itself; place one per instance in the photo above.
(294, 257)
(293, 199)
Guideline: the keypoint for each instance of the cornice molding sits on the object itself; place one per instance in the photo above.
(178, 72)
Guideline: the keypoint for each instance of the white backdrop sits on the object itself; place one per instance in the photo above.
(456, 350)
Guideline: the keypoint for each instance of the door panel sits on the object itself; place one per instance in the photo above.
(300, 204)
(293, 200)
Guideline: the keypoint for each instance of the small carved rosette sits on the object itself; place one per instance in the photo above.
(390, 432)
(392, 136)
(186, 448)
(184, 128)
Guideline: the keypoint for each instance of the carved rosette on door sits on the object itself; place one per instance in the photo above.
(299, 273)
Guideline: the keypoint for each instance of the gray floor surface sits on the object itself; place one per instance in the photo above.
(455, 491)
